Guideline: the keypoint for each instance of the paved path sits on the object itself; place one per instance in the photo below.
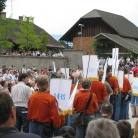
(132, 120)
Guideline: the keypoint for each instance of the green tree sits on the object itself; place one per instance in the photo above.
(44, 40)
(6, 31)
(2, 5)
(63, 43)
(27, 37)
(98, 48)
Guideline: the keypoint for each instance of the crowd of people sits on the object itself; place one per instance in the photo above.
(34, 53)
(27, 106)
(128, 62)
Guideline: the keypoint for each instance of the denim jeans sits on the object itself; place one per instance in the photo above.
(124, 109)
(116, 102)
(37, 128)
(21, 119)
(134, 101)
(97, 113)
(81, 131)
(69, 120)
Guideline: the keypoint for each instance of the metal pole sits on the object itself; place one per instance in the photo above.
(81, 25)
(81, 37)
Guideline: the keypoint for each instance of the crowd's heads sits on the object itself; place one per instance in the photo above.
(102, 128)
(7, 110)
(100, 74)
(125, 70)
(86, 84)
(22, 76)
(67, 132)
(124, 128)
(109, 69)
(80, 78)
(42, 81)
(135, 74)
(107, 108)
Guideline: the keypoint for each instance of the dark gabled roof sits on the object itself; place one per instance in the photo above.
(119, 23)
(128, 43)
(52, 41)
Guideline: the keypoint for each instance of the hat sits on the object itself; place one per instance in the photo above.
(67, 131)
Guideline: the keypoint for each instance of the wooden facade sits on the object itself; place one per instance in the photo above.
(97, 22)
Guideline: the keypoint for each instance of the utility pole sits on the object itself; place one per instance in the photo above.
(81, 25)
(11, 16)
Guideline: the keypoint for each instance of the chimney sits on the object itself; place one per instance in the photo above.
(3, 15)
(21, 18)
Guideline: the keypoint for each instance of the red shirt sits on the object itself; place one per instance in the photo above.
(98, 88)
(114, 83)
(42, 107)
(126, 85)
(73, 86)
(81, 99)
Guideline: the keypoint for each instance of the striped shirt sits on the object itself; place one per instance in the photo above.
(20, 94)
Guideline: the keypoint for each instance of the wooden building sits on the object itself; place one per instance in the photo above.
(110, 29)
(53, 45)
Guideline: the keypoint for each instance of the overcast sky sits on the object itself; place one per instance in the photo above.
(58, 16)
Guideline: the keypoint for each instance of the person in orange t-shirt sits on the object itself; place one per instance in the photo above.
(115, 99)
(98, 88)
(80, 78)
(80, 101)
(43, 110)
(125, 94)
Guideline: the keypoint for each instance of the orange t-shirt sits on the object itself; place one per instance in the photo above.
(99, 89)
(43, 107)
(114, 84)
(126, 85)
(81, 99)
(73, 86)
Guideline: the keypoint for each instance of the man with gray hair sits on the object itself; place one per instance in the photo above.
(102, 128)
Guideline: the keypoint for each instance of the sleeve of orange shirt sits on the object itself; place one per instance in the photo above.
(53, 113)
(72, 88)
(126, 85)
(62, 120)
(114, 84)
(75, 101)
(96, 107)
(105, 94)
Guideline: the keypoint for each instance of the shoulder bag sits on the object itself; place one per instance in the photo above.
(78, 118)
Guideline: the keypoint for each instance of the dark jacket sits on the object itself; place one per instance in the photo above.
(12, 132)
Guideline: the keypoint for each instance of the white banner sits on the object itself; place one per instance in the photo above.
(66, 72)
(115, 52)
(85, 61)
(120, 79)
(60, 88)
(104, 75)
(115, 67)
(130, 78)
(110, 61)
(135, 85)
(70, 105)
(90, 66)
(54, 66)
